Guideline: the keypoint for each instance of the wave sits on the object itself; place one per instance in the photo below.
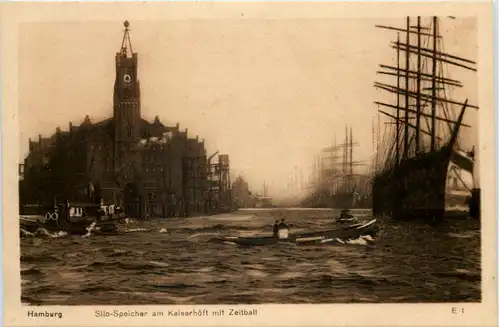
(175, 286)
(96, 289)
(159, 263)
(39, 258)
(121, 252)
(42, 232)
(204, 229)
(141, 266)
(256, 273)
(31, 272)
(461, 274)
(99, 264)
(132, 230)
(25, 233)
(134, 265)
(461, 235)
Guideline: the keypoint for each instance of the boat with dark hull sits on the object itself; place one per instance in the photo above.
(346, 217)
(341, 234)
(72, 218)
(410, 181)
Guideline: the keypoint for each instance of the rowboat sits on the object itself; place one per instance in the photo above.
(346, 217)
(339, 234)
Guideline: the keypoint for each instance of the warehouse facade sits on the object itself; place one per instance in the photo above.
(147, 168)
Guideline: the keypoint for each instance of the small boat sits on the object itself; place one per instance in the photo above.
(73, 218)
(339, 234)
(346, 217)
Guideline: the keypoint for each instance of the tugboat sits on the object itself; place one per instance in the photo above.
(72, 218)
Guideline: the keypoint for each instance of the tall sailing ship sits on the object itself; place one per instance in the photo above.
(424, 125)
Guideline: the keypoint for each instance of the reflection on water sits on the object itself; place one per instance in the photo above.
(172, 262)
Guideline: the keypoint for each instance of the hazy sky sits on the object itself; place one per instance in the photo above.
(270, 93)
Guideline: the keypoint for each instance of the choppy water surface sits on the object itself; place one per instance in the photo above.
(171, 261)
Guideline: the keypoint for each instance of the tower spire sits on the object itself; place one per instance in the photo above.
(126, 39)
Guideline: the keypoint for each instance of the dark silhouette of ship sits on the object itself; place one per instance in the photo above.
(410, 180)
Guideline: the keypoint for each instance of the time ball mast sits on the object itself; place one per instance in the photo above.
(126, 39)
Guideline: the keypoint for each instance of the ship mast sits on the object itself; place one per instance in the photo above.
(407, 87)
(398, 104)
(344, 160)
(433, 87)
(418, 108)
(350, 154)
(418, 75)
(350, 162)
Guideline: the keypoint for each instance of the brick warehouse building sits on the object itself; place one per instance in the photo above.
(147, 168)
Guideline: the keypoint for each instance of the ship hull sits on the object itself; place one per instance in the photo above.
(415, 189)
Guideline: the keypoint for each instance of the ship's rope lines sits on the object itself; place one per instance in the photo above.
(381, 144)
(441, 88)
(400, 157)
(392, 158)
(444, 71)
(412, 104)
(381, 159)
(412, 144)
(446, 67)
(401, 145)
(388, 146)
(455, 170)
(397, 157)
(389, 155)
(449, 90)
(385, 159)
(425, 103)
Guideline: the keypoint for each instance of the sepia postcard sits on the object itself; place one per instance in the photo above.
(248, 164)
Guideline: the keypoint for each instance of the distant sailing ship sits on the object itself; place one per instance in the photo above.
(346, 191)
(336, 184)
(411, 182)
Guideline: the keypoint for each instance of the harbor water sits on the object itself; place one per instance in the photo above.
(174, 261)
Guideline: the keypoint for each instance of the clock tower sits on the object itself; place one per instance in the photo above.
(126, 108)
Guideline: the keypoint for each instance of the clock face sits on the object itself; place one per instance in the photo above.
(127, 78)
